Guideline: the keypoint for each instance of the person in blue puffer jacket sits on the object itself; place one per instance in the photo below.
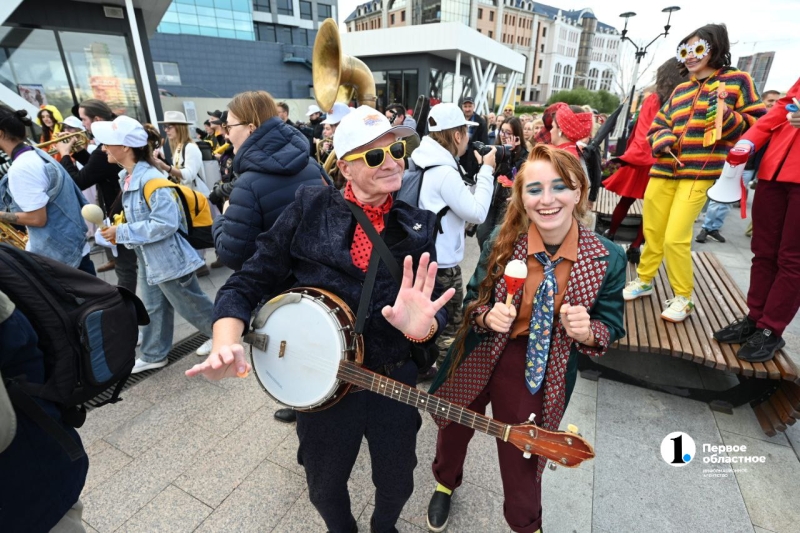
(271, 161)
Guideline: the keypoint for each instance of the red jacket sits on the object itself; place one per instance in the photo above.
(782, 159)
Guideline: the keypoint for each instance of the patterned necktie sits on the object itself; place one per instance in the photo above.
(541, 324)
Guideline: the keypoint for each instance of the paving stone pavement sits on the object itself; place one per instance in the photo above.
(182, 455)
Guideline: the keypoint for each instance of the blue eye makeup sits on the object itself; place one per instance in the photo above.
(557, 187)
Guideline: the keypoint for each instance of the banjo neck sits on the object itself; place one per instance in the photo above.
(369, 380)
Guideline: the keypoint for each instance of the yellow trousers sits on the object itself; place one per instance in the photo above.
(670, 209)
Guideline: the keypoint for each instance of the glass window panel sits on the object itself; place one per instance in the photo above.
(284, 34)
(184, 8)
(227, 34)
(285, 7)
(100, 67)
(261, 5)
(312, 36)
(305, 10)
(190, 29)
(205, 3)
(224, 14)
(168, 27)
(208, 22)
(241, 5)
(245, 36)
(223, 4)
(209, 32)
(241, 25)
(243, 16)
(30, 65)
(207, 11)
(299, 37)
(188, 20)
(226, 24)
(324, 11)
(410, 81)
(169, 16)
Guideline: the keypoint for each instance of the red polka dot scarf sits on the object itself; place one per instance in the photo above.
(362, 246)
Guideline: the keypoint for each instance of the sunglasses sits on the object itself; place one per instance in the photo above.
(699, 50)
(375, 157)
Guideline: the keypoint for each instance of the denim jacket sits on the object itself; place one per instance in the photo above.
(63, 236)
(151, 231)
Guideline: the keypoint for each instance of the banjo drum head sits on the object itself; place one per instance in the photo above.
(303, 352)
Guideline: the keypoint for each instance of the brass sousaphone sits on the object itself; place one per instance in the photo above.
(338, 77)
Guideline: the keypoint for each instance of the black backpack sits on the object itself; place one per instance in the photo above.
(412, 186)
(87, 330)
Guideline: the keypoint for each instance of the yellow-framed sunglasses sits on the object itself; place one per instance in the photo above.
(375, 157)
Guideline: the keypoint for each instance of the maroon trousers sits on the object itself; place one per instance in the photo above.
(774, 295)
(512, 403)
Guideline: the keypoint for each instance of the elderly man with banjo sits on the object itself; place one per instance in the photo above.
(307, 345)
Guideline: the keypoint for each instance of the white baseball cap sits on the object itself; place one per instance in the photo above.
(362, 126)
(313, 109)
(447, 116)
(337, 113)
(74, 122)
(122, 131)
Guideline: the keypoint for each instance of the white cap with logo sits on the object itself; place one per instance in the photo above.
(122, 131)
(362, 126)
(74, 122)
(447, 116)
(337, 113)
(313, 108)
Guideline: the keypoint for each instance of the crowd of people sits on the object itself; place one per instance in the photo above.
(283, 197)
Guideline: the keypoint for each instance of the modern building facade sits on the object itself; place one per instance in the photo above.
(217, 48)
(60, 52)
(758, 65)
(564, 49)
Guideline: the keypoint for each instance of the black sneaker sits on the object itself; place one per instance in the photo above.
(438, 511)
(760, 347)
(737, 331)
(716, 235)
(701, 237)
(634, 255)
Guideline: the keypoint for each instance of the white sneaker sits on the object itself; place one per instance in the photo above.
(678, 309)
(636, 289)
(204, 349)
(139, 338)
(141, 366)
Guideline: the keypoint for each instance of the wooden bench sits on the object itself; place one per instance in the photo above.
(607, 202)
(772, 388)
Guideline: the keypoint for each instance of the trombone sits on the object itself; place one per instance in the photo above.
(80, 143)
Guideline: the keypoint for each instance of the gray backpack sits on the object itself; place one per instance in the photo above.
(412, 185)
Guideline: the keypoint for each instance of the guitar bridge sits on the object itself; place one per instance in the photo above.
(258, 341)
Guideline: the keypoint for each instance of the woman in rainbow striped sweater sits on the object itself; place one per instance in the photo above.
(690, 150)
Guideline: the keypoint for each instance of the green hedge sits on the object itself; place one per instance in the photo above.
(523, 109)
(603, 101)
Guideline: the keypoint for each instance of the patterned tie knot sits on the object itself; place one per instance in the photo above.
(549, 266)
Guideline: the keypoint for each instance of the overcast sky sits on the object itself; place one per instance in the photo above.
(753, 26)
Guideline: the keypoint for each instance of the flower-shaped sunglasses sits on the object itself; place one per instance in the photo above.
(699, 50)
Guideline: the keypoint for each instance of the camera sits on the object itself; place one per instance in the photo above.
(502, 153)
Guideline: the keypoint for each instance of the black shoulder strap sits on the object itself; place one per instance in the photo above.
(377, 242)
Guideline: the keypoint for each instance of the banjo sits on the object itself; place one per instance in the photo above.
(310, 372)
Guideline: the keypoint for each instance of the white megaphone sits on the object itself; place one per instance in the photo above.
(728, 188)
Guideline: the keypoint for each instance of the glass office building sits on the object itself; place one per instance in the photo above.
(232, 19)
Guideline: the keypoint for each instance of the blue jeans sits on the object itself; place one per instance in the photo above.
(716, 213)
(183, 295)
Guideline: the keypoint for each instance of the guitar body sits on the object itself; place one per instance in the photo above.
(306, 355)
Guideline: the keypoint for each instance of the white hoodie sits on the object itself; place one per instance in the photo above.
(442, 186)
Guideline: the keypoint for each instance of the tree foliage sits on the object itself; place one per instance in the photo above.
(602, 101)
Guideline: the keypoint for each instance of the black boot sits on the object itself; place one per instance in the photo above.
(373, 530)
(438, 511)
(760, 347)
(286, 415)
(737, 331)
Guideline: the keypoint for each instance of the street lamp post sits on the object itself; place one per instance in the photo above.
(640, 53)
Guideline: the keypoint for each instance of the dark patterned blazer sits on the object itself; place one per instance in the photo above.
(595, 282)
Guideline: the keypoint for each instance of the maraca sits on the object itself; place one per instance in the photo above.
(92, 213)
(515, 273)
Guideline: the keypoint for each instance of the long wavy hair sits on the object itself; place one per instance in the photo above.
(516, 223)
